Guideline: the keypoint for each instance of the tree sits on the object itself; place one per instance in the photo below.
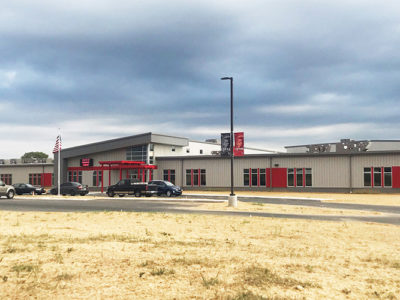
(33, 155)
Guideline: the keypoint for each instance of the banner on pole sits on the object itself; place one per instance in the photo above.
(225, 144)
(238, 150)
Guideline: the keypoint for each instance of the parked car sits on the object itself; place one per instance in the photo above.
(71, 188)
(26, 188)
(166, 188)
(7, 190)
(132, 187)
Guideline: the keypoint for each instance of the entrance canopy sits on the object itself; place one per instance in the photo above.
(120, 165)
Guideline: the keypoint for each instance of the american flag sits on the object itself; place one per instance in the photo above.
(57, 147)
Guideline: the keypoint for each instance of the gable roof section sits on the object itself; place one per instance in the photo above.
(108, 145)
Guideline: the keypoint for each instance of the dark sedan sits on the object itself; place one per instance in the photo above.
(166, 188)
(26, 188)
(71, 188)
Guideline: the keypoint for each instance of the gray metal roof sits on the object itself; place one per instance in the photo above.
(108, 145)
(277, 155)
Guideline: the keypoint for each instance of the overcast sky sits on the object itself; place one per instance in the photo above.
(304, 71)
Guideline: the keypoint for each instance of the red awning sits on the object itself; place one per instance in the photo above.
(117, 165)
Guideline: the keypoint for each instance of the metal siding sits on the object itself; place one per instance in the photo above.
(214, 169)
(246, 163)
(361, 162)
(169, 165)
(20, 173)
(326, 171)
(87, 176)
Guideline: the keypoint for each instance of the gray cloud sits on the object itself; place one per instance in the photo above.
(299, 66)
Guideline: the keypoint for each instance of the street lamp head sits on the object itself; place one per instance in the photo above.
(226, 78)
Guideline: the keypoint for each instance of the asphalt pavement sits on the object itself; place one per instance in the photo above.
(186, 206)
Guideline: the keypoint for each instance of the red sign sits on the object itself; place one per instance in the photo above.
(86, 162)
(238, 150)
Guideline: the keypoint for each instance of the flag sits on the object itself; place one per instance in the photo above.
(225, 144)
(57, 146)
(238, 149)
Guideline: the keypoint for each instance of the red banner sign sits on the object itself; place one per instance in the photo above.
(238, 150)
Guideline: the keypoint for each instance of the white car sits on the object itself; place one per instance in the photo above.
(6, 190)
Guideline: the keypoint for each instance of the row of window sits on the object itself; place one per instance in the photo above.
(299, 177)
(378, 177)
(296, 177)
(97, 178)
(254, 177)
(139, 153)
(195, 177)
(75, 176)
(169, 175)
(34, 178)
(6, 178)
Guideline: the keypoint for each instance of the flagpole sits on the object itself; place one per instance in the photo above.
(59, 164)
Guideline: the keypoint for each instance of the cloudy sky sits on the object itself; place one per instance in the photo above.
(304, 71)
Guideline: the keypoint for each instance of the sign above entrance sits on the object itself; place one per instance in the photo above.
(86, 162)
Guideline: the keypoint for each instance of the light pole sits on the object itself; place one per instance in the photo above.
(232, 196)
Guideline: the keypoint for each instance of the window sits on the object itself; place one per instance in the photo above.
(188, 177)
(169, 175)
(80, 177)
(69, 176)
(166, 175)
(262, 177)
(202, 177)
(201, 151)
(173, 148)
(290, 177)
(254, 177)
(151, 160)
(35, 179)
(246, 180)
(195, 177)
(308, 177)
(367, 176)
(137, 153)
(75, 176)
(97, 178)
(6, 178)
(387, 176)
(299, 177)
(151, 147)
(377, 176)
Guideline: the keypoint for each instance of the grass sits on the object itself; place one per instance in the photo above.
(161, 271)
(122, 255)
(263, 276)
(209, 281)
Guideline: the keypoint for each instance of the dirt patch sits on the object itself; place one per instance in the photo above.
(283, 209)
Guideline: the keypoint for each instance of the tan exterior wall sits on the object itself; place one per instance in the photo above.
(20, 173)
(327, 172)
(361, 162)
(87, 176)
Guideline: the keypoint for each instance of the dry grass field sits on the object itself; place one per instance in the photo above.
(118, 255)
